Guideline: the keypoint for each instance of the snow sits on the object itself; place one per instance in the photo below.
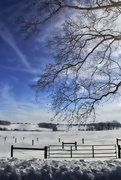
(59, 170)
(31, 165)
(24, 127)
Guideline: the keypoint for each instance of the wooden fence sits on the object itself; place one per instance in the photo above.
(45, 149)
(69, 143)
(82, 151)
(118, 141)
(71, 150)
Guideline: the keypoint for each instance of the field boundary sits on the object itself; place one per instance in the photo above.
(72, 150)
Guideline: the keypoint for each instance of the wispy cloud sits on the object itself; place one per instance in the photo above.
(28, 110)
(50, 30)
(25, 110)
(109, 111)
(8, 38)
(28, 70)
(35, 79)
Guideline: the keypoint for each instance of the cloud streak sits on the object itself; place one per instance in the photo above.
(30, 70)
(8, 38)
(25, 110)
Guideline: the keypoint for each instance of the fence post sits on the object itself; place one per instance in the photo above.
(71, 151)
(62, 145)
(119, 155)
(116, 151)
(32, 142)
(117, 141)
(59, 139)
(15, 140)
(82, 140)
(45, 153)
(93, 151)
(11, 150)
(48, 151)
(75, 145)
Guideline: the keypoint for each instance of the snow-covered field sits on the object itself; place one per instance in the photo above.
(30, 165)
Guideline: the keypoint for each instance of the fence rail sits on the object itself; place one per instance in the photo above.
(45, 149)
(82, 151)
(69, 143)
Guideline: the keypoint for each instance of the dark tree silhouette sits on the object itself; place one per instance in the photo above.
(87, 66)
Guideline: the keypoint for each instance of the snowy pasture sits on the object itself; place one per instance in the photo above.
(29, 165)
(46, 138)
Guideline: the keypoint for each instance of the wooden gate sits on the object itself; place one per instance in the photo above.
(82, 151)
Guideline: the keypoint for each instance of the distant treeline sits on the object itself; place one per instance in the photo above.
(2, 122)
(103, 126)
(48, 125)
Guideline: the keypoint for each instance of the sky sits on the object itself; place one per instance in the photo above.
(21, 61)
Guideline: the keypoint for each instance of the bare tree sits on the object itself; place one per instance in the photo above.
(87, 66)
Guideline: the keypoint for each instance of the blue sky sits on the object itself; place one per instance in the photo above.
(20, 64)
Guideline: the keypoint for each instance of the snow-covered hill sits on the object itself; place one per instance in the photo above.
(24, 127)
(35, 127)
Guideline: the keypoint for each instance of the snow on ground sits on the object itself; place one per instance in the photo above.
(37, 169)
(24, 127)
(32, 166)
(41, 139)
